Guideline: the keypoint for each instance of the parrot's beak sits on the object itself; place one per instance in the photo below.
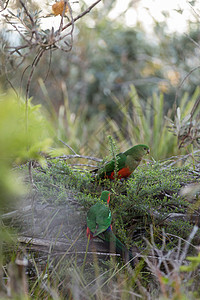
(148, 151)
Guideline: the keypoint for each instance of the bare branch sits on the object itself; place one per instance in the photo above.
(36, 60)
(26, 24)
(82, 14)
(180, 85)
(4, 7)
(65, 157)
(187, 243)
(68, 147)
(165, 263)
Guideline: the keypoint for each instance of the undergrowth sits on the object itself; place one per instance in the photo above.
(150, 196)
(149, 213)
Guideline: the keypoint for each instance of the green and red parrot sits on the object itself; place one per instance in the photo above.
(127, 162)
(99, 225)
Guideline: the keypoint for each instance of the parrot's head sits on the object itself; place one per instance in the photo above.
(143, 149)
(105, 196)
(138, 151)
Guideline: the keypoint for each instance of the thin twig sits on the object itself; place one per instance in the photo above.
(31, 19)
(180, 85)
(49, 66)
(192, 40)
(82, 14)
(82, 165)
(64, 157)
(36, 61)
(187, 243)
(68, 146)
(30, 175)
(6, 4)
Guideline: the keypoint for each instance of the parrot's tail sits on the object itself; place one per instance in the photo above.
(116, 246)
(124, 252)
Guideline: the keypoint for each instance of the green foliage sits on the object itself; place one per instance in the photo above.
(71, 126)
(22, 137)
(194, 263)
(113, 56)
(83, 83)
(145, 122)
(113, 151)
(18, 141)
(135, 122)
(55, 182)
(186, 125)
(152, 194)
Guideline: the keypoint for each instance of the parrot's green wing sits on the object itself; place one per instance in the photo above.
(98, 218)
(110, 166)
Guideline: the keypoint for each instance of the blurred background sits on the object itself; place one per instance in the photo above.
(132, 63)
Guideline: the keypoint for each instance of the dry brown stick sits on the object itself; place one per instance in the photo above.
(16, 48)
(17, 284)
(187, 243)
(64, 157)
(194, 107)
(171, 216)
(30, 171)
(6, 4)
(59, 246)
(40, 242)
(89, 252)
(82, 165)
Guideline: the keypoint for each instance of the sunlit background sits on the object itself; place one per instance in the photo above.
(145, 12)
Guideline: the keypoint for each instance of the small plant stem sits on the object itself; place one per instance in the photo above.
(113, 151)
(86, 251)
(193, 160)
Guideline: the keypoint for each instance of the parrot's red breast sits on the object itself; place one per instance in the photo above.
(123, 173)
